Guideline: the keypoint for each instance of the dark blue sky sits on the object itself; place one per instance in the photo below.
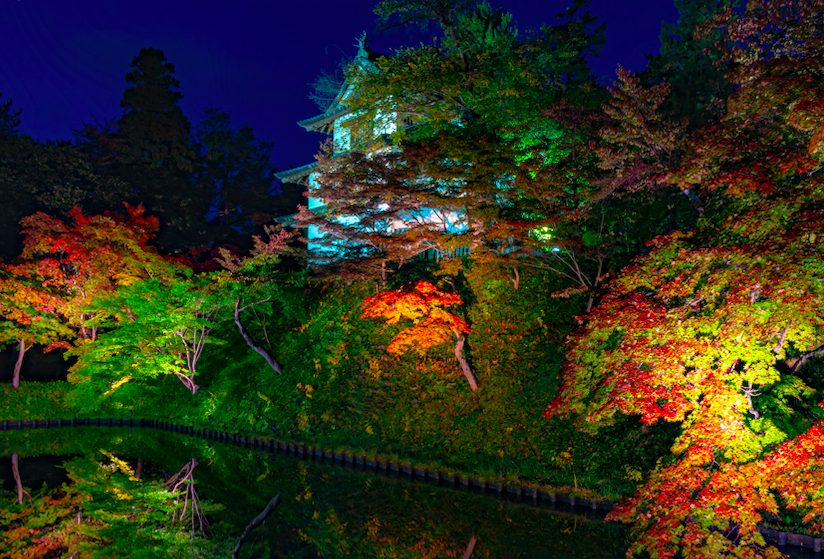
(64, 62)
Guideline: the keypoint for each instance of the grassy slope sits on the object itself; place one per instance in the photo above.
(341, 389)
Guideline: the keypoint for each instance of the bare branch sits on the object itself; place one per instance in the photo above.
(255, 522)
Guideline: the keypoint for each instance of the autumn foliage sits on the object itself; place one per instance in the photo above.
(90, 256)
(718, 330)
(507, 158)
(424, 305)
(715, 338)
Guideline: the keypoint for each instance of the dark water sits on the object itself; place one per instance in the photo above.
(104, 492)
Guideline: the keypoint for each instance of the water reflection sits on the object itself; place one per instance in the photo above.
(143, 493)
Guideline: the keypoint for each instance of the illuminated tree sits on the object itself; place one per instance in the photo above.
(256, 284)
(103, 509)
(89, 257)
(424, 305)
(30, 312)
(714, 338)
(640, 141)
(484, 159)
(718, 330)
(51, 177)
(154, 327)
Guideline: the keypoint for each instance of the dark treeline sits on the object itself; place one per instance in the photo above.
(209, 186)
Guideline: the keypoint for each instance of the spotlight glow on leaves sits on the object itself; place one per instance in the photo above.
(424, 305)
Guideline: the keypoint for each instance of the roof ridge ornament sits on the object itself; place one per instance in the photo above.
(361, 44)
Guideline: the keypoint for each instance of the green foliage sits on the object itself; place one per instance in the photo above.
(317, 515)
(153, 328)
(712, 337)
(35, 400)
(711, 330)
(102, 511)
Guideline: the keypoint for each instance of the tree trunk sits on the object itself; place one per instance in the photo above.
(470, 547)
(15, 472)
(467, 370)
(18, 365)
(251, 342)
(188, 382)
(695, 201)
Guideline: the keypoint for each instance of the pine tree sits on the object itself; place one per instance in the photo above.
(236, 169)
(9, 119)
(154, 150)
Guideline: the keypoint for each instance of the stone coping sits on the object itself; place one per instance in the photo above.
(512, 490)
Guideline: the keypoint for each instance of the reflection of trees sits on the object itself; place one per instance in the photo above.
(15, 472)
(182, 485)
(327, 513)
(254, 523)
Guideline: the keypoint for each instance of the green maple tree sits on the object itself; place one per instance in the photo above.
(153, 327)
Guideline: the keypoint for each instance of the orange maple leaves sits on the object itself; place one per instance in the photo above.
(432, 325)
(423, 304)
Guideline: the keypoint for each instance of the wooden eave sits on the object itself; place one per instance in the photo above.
(298, 175)
(322, 122)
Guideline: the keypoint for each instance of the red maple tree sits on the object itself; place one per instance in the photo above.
(90, 256)
(432, 325)
(716, 329)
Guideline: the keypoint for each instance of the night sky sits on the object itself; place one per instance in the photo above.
(64, 62)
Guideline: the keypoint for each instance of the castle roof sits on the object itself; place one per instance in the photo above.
(365, 59)
(324, 122)
(297, 174)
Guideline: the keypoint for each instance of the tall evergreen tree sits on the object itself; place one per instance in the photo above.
(689, 64)
(154, 153)
(236, 169)
(9, 119)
